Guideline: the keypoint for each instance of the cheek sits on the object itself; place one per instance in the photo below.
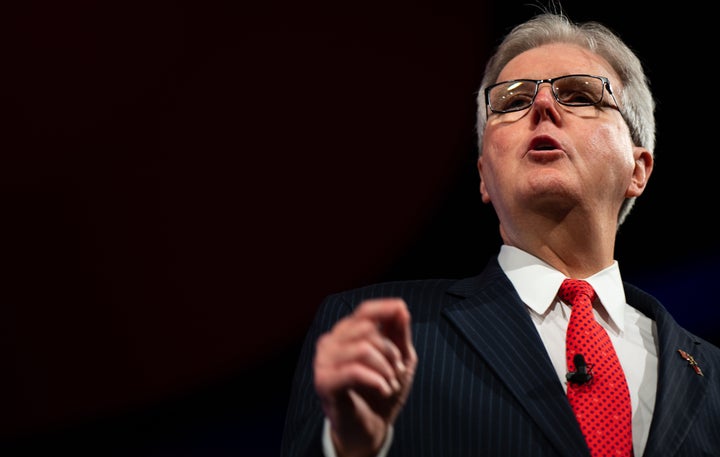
(490, 155)
(491, 175)
(609, 153)
(610, 145)
(499, 141)
(501, 146)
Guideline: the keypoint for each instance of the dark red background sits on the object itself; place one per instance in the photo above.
(183, 182)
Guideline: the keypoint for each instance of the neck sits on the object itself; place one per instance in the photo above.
(577, 248)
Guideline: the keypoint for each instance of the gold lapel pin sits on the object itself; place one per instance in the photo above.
(691, 361)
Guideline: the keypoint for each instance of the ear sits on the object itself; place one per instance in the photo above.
(641, 174)
(483, 190)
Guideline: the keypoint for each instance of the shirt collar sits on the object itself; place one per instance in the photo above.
(537, 283)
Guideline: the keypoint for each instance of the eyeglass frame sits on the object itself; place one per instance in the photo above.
(551, 81)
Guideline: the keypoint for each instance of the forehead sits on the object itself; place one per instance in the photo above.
(557, 59)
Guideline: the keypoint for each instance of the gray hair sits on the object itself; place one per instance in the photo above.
(636, 99)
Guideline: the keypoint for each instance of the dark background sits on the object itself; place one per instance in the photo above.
(183, 182)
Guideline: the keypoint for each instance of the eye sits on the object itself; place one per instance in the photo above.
(578, 90)
(512, 95)
(514, 101)
(577, 97)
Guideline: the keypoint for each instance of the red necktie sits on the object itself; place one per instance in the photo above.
(602, 403)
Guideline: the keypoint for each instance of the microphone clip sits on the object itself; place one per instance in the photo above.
(582, 373)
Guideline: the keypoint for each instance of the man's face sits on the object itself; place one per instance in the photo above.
(553, 159)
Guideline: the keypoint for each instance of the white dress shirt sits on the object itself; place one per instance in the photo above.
(631, 332)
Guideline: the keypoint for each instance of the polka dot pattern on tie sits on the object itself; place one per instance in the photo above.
(601, 405)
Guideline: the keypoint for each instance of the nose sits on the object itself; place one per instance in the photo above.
(545, 106)
(544, 94)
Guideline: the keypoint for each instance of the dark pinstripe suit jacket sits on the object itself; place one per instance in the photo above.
(486, 387)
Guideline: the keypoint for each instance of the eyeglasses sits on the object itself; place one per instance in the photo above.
(569, 90)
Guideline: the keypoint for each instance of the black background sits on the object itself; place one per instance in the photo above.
(183, 182)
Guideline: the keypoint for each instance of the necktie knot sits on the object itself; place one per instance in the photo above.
(576, 291)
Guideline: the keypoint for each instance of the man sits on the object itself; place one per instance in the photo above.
(486, 366)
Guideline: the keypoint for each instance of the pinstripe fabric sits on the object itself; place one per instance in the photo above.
(486, 387)
(686, 422)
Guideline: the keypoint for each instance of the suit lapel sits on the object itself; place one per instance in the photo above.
(497, 324)
(680, 389)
